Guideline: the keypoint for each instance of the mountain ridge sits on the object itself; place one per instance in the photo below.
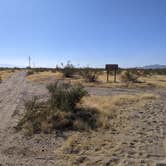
(155, 66)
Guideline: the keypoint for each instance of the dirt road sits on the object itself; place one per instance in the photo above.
(11, 94)
(142, 143)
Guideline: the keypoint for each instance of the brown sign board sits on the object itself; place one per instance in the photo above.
(111, 66)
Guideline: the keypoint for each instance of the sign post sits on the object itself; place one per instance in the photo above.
(111, 67)
(107, 75)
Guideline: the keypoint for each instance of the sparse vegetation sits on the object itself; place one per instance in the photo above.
(129, 76)
(42, 69)
(61, 112)
(45, 76)
(33, 71)
(69, 70)
(90, 75)
(5, 73)
(109, 105)
(30, 72)
(86, 128)
(65, 96)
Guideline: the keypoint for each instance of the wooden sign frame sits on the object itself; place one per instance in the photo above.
(110, 67)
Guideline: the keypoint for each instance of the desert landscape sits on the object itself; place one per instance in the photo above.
(82, 83)
(117, 124)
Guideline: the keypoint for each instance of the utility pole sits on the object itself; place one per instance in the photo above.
(34, 64)
(29, 62)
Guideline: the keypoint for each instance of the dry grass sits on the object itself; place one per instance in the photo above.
(48, 76)
(76, 145)
(109, 104)
(76, 142)
(158, 81)
(44, 76)
(99, 144)
(155, 80)
(5, 74)
(149, 81)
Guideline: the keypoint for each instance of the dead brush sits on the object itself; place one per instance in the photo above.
(36, 113)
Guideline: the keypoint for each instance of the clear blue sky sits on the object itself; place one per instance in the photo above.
(87, 32)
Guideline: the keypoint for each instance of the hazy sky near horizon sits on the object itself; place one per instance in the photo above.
(86, 32)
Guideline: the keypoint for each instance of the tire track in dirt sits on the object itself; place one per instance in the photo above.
(11, 94)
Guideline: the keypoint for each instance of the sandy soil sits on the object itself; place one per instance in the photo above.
(136, 138)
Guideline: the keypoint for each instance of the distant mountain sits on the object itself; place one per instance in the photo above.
(155, 66)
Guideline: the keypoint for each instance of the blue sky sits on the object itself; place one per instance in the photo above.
(86, 32)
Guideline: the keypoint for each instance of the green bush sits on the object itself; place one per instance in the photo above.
(160, 71)
(65, 96)
(60, 112)
(90, 75)
(69, 70)
(41, 69)
(0, 79)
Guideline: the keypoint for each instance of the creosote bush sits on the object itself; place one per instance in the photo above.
(90, 75)
(69, 70)
(129, 76)
(65, 96)
(59, 112)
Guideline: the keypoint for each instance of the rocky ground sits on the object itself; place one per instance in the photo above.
(137, 137)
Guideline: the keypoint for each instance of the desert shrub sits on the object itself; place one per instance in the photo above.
(57, 68)
(129, 76)
(0, 79)
(59, 112)
(90, 75)
(17, 68)
(30, 72)
(54, 70)
(36, 113)
(160, 71)
(65, 96)
(147, 72)
(41, 69)
(69, 70)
